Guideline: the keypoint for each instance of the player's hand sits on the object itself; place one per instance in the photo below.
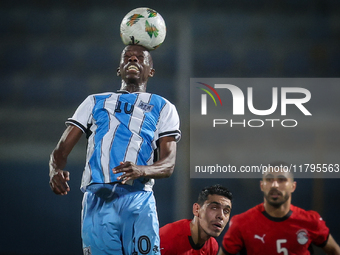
(130, 171)
(58, 182)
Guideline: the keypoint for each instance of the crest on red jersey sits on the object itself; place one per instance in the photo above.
(302, 236)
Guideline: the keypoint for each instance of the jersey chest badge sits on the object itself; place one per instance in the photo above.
(302, 236)
(145, 106)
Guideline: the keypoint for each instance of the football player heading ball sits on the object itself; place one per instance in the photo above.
(123, 129)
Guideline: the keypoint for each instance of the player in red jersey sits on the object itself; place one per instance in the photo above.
(276, 226)
(194, 237)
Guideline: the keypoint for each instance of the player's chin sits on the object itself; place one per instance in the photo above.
(132, 78)
(275, 203)
(215, 234)
(216, 231)
(273, 199)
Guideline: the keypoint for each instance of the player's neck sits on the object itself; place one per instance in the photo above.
(277, 212)
(198, 235)
(132, 87)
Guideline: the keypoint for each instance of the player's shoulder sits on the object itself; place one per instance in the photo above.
(258, 209)
(161, 98)
(306, 214)
(245, 218)
(179, 223)
(175, 228)
(100, 95)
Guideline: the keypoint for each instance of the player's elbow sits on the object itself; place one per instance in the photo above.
(169, 171)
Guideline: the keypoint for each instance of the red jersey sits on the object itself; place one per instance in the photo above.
(256, 232)
(176, 239)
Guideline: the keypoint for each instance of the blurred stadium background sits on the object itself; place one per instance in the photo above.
(54, 53)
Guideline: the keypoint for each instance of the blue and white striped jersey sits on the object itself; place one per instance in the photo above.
(123, 127)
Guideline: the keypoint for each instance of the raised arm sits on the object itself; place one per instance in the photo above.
(331, 247)
(58, 160)
(162, 168)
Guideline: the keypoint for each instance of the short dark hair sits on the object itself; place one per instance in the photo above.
(281, 164)
(216, 189)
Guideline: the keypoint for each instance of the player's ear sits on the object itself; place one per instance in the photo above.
(195, 208)
(293, 186)
(261, 185)
(118, 71)
(152, 72)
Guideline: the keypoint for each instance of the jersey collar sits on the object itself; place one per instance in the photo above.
(193, 245)
(277, 219)
(123, 91)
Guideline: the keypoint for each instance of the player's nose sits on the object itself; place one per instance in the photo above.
(133, 58)
(275, 184)
(219, 214)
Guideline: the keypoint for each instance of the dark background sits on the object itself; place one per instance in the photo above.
(54, 53)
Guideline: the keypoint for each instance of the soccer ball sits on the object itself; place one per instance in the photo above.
(143, 26)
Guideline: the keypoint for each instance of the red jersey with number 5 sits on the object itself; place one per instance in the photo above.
(256, 232)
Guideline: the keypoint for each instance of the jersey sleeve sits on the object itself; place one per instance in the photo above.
(169, 122)
(320, 233)
(232, 241)
(82, 116)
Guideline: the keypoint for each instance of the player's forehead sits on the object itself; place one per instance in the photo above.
(277, 172)
(135, 49)
(218, 200)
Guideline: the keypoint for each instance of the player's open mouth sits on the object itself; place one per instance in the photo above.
(275, 194)
(133, 68)
(217, 225)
